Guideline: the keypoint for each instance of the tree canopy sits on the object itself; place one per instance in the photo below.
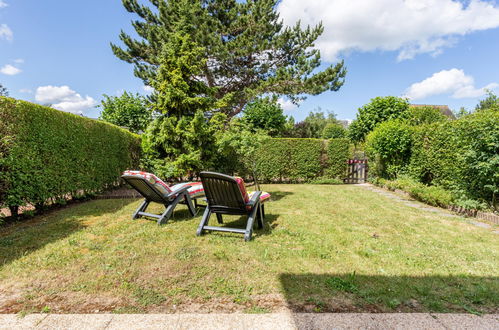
(266, 114)
(128, 110)
(380, 109)
(239, 50)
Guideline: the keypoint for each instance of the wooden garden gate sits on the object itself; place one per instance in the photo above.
(357, 171)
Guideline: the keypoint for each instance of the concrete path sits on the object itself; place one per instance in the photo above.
(250, 321)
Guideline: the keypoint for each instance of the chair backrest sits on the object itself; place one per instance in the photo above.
(223, 192)
(145, 188)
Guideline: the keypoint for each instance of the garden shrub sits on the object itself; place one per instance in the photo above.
(461, 156)
(295, 160)
(389, 148)
(46, 154)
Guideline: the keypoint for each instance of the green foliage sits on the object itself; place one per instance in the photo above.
(380, 109)
(425, 115)
(491, 102)
(179, 147)
(49, 154)
(338, 152)
(179, 92)
(293, 160)
(334, 131)
(265, 114)
(128, 110)
(245, 50)
(461, 155)
(389, 146)
(433, 195)
(312, 127)
(237, 144)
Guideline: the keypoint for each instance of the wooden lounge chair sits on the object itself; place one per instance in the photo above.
(155, 190)
(227, 195)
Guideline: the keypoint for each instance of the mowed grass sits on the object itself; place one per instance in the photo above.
(324, 248)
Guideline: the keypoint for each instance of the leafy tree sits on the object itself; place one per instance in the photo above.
(128, 110)
(490, 102)
(266, 114)
(389, 145)
(380, 109)
(317, 121)
(333, 131)
(3, 91)
(425, 115)
(247, 51)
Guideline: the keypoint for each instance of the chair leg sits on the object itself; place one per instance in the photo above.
(169, 210)
(251, 221)
(141, 208)
(219, 218)
(191, 207)
(260, 216)
(204, 221)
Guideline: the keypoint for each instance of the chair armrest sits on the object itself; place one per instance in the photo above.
(178, 191)
(254, 199)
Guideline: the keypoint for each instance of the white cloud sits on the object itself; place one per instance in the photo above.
(6, 32)
(453, 81)
(410, 27)
(64, 98)
(148, 89)
(19, 61)
(286, 104)
(3, 4)
(10, 70)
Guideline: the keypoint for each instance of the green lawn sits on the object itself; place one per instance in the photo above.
(324, 248)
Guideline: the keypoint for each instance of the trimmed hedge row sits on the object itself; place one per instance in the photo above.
(46, 154)
(462, 156)
(293, 160)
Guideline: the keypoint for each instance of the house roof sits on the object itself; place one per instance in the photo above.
(444, 109)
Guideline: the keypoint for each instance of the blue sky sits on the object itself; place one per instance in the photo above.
(433, 51)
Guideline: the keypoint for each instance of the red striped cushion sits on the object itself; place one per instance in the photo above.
(265, 196)
(151, 178)
(195, 188)
(242, 188)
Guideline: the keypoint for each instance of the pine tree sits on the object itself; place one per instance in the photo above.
(245, 51)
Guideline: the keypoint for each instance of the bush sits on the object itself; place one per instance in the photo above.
(299, 160)
(433, 195)
(334, 131)
(49, 154)
(379, 110)
(461, 156)
(389, 146)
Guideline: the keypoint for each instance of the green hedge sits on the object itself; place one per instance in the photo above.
(46, 154)
(295, 160)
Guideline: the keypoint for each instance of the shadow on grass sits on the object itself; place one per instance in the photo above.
(22, 238)
(410, 294)
(278, 195)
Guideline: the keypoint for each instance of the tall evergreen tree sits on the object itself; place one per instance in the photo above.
(246, 50)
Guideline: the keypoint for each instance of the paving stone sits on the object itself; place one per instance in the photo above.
(13, 321)
(481, 224)
(76, 321)
(311, 321)
(270, 321)
(468, 321)
(211, 321)
(414, 321)
(144, 321)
